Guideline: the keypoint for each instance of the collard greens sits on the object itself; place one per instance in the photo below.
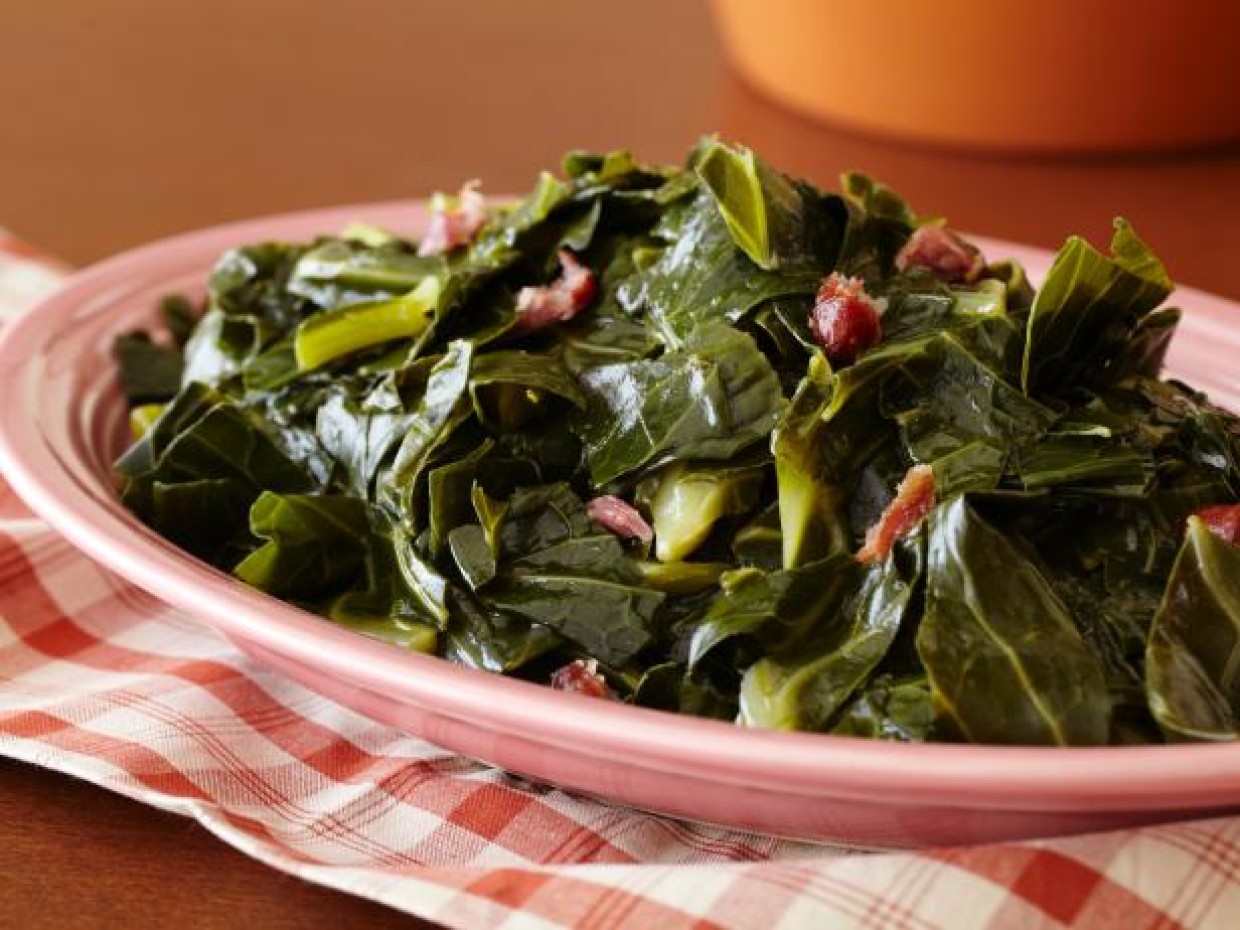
(674, 481)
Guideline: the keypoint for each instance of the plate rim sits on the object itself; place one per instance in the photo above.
(963, 776)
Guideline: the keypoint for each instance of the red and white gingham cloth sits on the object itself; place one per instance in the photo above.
(100, 680)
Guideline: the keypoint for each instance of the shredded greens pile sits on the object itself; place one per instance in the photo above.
(374, 434)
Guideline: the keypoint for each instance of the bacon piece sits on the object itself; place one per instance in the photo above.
(453, 227)
(845, 319)
(581, 676)
(1223, 521)
(950, 256)
(914, 499)
(559, 301)
(615, 516)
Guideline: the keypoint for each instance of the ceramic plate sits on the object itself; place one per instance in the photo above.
(62, 420)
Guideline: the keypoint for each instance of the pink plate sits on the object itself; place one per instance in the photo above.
(62, 420)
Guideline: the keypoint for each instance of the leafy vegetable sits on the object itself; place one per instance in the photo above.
(879, 222)
(202, 435)
(750, 236)
(325, 337)
(1005, 662)
(360, 441)
(811, 496)
(767, 213)
(686, 502)
(511, 388)
(709, 402)
(1191, 661)
(805, 690)
(338, 272)
(557, 570)
(1088, 309)
(773, 611)
(891, 708)
(313, 542)
(675, 483)
(149, 372)
(440, 410)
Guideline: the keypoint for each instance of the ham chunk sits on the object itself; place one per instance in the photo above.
(914, 499)
(618, 517)
(946, 253)
(1223, 521)
(559, 301)
(581, 676)
(845, 320)
(454, 226)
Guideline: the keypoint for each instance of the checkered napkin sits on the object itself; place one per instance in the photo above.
(102, 681)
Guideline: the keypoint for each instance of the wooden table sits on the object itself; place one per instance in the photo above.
(133, 119)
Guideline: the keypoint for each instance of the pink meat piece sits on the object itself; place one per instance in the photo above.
(618, 517)
(559, 301)
(452, 227)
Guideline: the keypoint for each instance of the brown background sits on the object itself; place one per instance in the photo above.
(128, 120)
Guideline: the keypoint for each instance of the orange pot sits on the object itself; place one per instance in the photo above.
(1092, 75)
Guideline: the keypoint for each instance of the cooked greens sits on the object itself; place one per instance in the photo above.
(598, 425)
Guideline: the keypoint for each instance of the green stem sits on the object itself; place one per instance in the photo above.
(329, 335)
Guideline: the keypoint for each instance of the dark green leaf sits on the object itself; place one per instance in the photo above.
(252, 282)
(702, 278)
(659, 687)
(1145, 352)
(427, 588)
(708, 402)
(1005, 661)
(891, 708)
(150, 373)
(557, 571)
(201, 435)
(474, 558)
(608, 613)
(360, 441)
(772, 610)
(1087, 310)
(450, 488)
(511, 388)
(484, 638)
(804, 689)
(337, 272)
(1096, 465)
(179, 318)
(442, 407)
(879, 222)
(943, 397)
(771, 218)
(312, 544)
(1192, 675)
(205, 516)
